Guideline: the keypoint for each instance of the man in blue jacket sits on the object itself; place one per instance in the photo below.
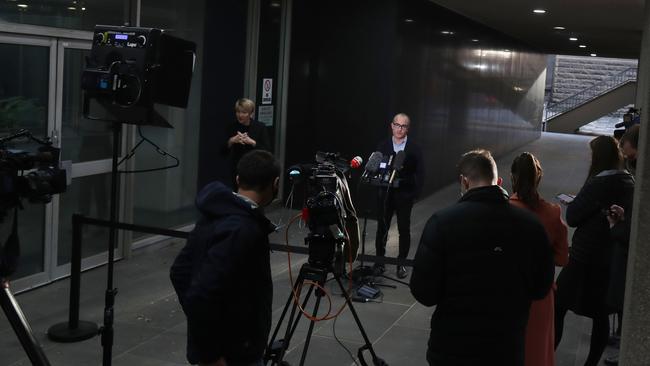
(223, 276)
(481, 261)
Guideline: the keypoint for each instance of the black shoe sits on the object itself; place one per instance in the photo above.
(401, 272)
(378, 269)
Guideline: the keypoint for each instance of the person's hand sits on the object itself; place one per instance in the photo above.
(615, 215)
(246, 140)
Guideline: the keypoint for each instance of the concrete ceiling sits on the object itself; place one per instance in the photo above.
(609, 28)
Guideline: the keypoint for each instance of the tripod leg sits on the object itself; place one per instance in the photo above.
(376, 360)
(311, 329)
(21, 327)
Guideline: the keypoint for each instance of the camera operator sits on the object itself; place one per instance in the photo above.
(399, 200)
(223, 276)
(245, 134)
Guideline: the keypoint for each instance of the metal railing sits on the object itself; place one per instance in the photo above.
(592, 92)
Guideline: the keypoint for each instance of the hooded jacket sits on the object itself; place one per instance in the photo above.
(481, 261)
(223, 279)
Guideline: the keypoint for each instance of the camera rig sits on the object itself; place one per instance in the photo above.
(328, 211)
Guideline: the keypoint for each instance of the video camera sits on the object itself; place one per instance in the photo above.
(34, 175)
(328, 211)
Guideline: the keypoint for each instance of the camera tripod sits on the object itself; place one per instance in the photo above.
(21, 327)
(276, 350)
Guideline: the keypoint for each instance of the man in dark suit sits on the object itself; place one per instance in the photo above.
(399, 200)
(481, 262)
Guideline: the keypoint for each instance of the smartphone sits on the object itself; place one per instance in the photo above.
(565, 198)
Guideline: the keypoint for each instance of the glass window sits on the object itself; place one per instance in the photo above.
(171, 203)
(70, 14)
(81, 139)
(89, 196)
(24, 91)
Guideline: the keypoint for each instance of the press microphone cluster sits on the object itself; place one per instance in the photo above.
(383, 170)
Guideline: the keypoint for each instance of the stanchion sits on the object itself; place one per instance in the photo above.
(74, 330)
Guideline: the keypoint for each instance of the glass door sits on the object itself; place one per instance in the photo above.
(87, 144)
(27, 83)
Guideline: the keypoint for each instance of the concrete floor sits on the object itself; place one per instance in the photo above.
(150, 326)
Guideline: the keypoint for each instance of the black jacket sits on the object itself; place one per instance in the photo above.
(412, 173)
(223, 279)
(592, 243)
(481, 262)
(256, 130)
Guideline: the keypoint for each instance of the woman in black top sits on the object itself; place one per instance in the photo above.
(582, 284)
(245, 134)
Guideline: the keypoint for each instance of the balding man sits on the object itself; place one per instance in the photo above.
(399, 200)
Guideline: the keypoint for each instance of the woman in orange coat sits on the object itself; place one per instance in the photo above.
(526, 173)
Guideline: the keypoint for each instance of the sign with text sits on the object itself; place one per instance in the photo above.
(265, 114)
(267, 91)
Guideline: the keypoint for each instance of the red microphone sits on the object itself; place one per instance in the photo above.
(356, 162)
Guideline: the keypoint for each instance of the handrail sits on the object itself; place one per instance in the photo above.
(594, 91)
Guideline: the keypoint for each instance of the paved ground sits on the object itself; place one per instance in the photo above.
(150, 327)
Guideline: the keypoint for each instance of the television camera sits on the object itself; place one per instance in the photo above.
(328, 211)
(32, 175)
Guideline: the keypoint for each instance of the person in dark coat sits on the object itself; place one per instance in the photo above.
(223, 276)
(582, 285)
(399, 201)
(244, 134)
(481, 261)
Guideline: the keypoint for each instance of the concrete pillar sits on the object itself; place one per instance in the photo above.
(635, 342)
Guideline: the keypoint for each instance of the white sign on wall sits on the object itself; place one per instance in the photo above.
(267, 91)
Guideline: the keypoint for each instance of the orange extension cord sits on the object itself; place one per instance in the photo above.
(296, 295)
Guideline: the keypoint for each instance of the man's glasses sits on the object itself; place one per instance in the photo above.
(398, 126)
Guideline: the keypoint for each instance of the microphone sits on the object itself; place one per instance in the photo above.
(373, 164)
(398, 164)
(356, 162)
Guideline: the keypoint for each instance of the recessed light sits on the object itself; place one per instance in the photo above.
(24, 6)
(559, 28)
(593, 55)
(573, 39)
(539, 11)
(71, 8)
(583, 46)
(447, 32)
(84, 9)
(408, 20)
(474, 40)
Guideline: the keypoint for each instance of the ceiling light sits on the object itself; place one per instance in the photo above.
(593, 55)
(559, 28)
(573, 39)
(275, 4)
(583, 46)
(539, 11)
(84, 9)
(447, 32)
(24, 6)
(408, 20)
(474, 40)
(71, 8)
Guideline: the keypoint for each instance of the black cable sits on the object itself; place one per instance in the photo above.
(159, 150)
(341, 343)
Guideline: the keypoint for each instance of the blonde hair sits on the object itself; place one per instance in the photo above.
(245, 105)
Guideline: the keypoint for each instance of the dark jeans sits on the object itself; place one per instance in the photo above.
(399, 203)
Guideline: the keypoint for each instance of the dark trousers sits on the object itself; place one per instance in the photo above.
(399, 203)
